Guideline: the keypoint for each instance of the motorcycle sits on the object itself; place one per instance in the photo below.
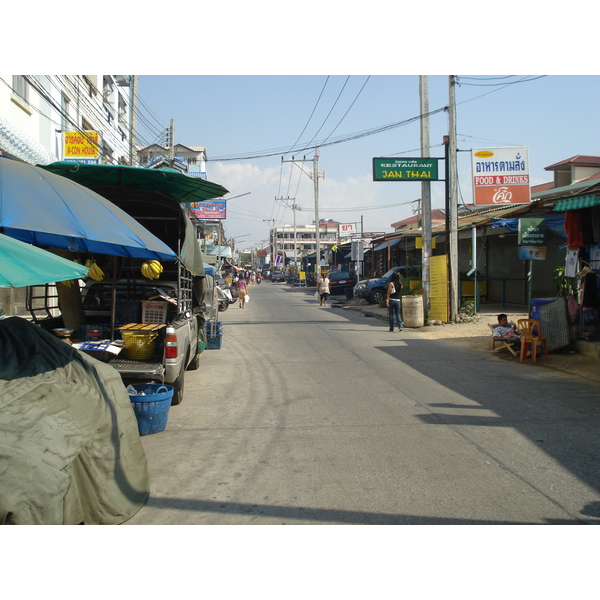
(224, 298)
(258, 279)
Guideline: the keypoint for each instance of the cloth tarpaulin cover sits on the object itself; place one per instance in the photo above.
(175, 184)
(70, 451)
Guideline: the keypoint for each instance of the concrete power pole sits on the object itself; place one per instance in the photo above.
(317, 220)
(453, 203)
(425, 190)
(133, 120)
(172, 144)
(315, 178)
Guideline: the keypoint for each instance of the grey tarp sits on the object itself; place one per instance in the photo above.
(70, 451)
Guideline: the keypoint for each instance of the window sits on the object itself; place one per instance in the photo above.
(21, 87)
(64, 109)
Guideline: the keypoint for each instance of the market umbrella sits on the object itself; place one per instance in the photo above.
(42, 208)
(172, 183)
(22, 264)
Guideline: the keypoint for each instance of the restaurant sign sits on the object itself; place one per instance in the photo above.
(500, 175)
(405, 169)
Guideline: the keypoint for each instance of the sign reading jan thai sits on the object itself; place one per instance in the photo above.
(500, 175)
(405, 169)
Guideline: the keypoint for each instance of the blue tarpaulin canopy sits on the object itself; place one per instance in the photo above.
(39, 207)
(391, 242)
(556, 223)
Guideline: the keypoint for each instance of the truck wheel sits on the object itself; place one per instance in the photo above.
(195, 363)
(377, 296)
(178, 389)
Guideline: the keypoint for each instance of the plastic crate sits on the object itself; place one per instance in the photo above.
(214, 329)
(127, 312)
(152, 409)
(154, 311)
(214, 343)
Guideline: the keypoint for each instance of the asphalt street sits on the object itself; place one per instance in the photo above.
(311, 415)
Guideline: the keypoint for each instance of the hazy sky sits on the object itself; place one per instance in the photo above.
(249, 123)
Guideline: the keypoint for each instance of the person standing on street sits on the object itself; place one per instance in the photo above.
(242, 289)
(393, 301)
(323, 289)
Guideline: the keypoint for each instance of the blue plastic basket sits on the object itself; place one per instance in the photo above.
(214, 343)
(151, 410)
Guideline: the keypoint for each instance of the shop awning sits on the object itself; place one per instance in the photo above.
(577, 203)
(170, 182)
(391, 243)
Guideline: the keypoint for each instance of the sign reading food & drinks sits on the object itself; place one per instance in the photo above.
(500, 175)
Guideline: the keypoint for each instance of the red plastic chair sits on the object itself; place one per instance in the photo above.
(531, 330)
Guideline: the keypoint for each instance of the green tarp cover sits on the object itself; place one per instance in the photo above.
(170, 182)
(70, 451)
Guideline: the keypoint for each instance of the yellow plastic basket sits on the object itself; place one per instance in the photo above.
(139, 345)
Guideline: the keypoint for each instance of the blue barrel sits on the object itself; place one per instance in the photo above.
(151, 409)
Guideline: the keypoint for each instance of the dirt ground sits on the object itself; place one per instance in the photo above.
(477, 335)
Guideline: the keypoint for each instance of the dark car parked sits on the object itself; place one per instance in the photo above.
(277, 276)
(341, 283)
(374, 290)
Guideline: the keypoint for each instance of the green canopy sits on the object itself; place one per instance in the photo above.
(170, 182)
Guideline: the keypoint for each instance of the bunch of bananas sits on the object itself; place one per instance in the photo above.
(151, 269)
(95, 272)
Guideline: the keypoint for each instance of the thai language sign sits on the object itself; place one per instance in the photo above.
(346, 229)
(405, 169)
(532, 231)
(439, 297)
(81, 146)
(210, 209)
(500, 175)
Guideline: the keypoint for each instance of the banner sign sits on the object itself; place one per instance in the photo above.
(346, 229)
(500, 175)
(532, 252)
(532, 232)
(210, 209)
(405, 169)
(81, 146)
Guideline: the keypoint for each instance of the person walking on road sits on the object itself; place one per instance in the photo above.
(242, 289)
(323, 289)
(393, 300)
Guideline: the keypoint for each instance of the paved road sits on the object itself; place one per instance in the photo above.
(310, 415)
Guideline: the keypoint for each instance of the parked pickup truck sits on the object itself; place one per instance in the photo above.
(374, 290)
(179, 303)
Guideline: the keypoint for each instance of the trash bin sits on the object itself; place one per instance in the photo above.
(151, 403)
(412, 311)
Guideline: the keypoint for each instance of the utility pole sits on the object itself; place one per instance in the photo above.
(453, 202)
(132, 119)
(172, 144)
(315, 177)
(271, 223)
(425, 191)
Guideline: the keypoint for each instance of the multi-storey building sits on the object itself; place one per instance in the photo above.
(89, 118)
(46, 118)
(290, 242)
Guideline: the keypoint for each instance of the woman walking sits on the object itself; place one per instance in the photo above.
(242, 289)
(323, 289)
